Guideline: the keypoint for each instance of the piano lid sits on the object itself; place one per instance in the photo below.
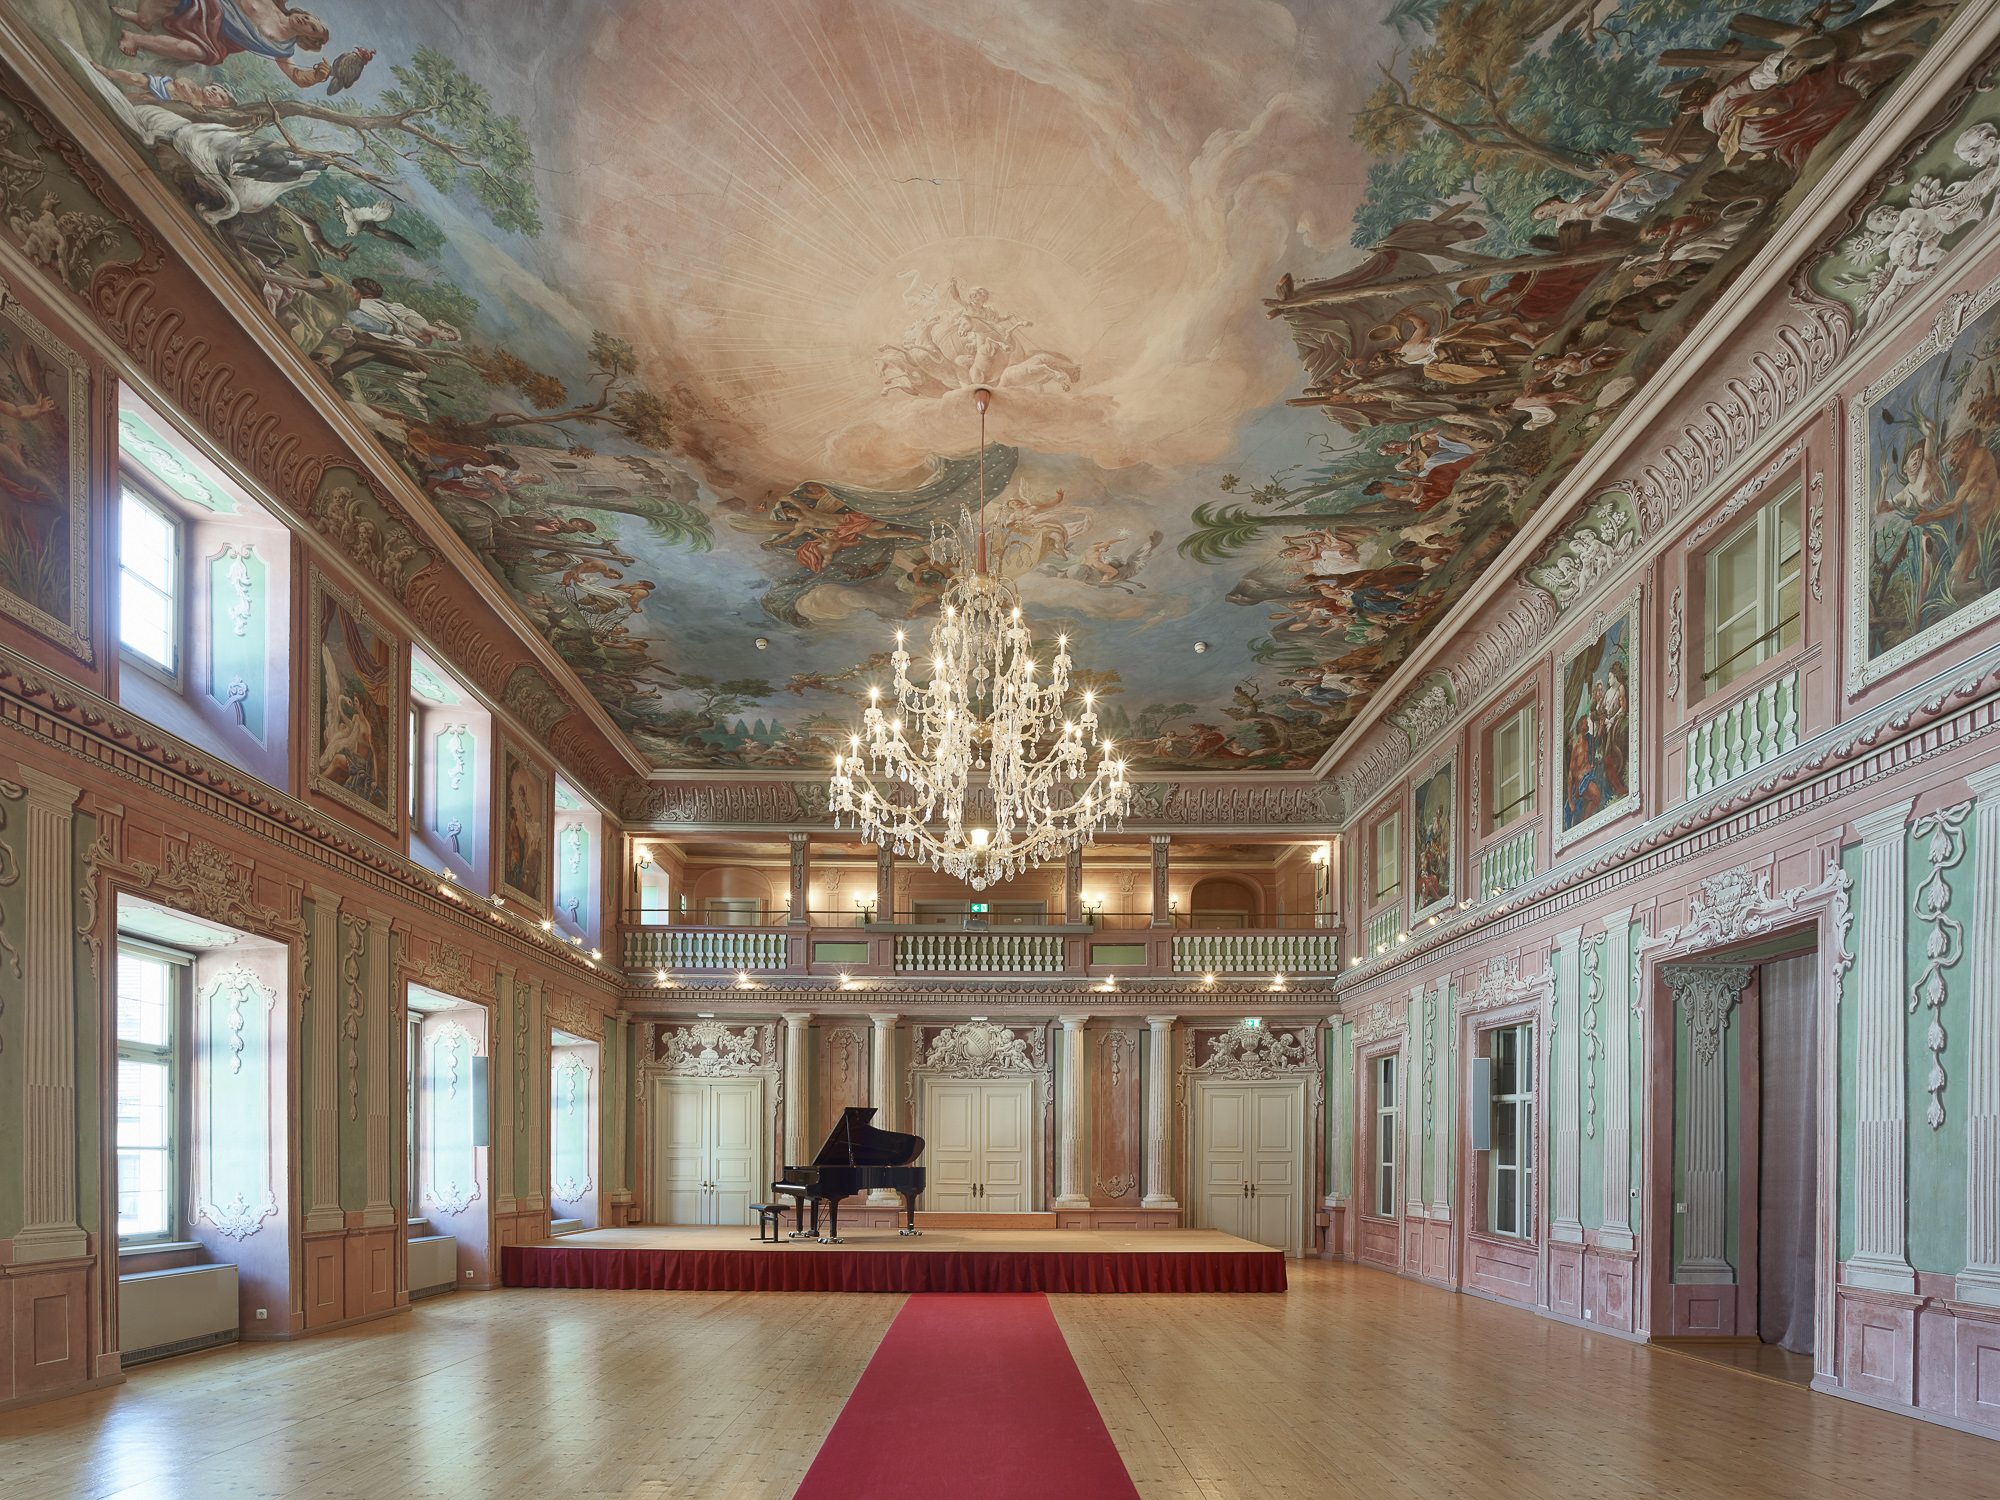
(853, 1142)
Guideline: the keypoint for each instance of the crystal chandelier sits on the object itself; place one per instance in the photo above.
(989, 707)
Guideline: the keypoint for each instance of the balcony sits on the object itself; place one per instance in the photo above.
(1109, 945)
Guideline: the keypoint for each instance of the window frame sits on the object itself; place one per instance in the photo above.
(1378, 898)
(132, 490)
(1765, 523)
(1385, 1155)
(1521, 1103)
(1527, 804)
(173, 1055)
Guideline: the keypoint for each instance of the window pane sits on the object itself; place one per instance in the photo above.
(1506, 1137)
(145, 1000)
(1506, 1204)
(1387, 877)
(146, 544)
(143, 1193)
(1505, 1052)
(146, 620)
(145, 1105)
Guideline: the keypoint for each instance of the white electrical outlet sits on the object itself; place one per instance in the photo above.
(263, 1312)
(468, 1276)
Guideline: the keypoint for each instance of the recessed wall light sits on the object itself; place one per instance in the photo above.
(763, 643)
(1199, 647)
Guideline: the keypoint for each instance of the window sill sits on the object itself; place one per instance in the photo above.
(160, 1247)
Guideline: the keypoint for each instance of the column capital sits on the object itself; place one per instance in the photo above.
(884, 1018)
(45, 790)
(1569, 937)
(1985, 781)
(1073, 1023)
(795, 1017)
(1161, 1023)
(1613, 920)
(324, 896)
(1886, 823)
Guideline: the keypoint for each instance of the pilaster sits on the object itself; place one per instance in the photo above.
(503, 1066)
(801, 914)
(1440, 1072)
(1159, 1100)
(323, 1078)
(1704, 995)
(1073, 885)
(1071, 1192)
(50, 1230)
(797, 1147)
(1881, 1131)
(1616, 1232)
(1162, 915)
(1565, 1207)
(1980, 1280)
(384, 1099)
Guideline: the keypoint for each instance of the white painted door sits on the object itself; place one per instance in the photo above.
(735, 1148)
(1004, 1168)
(709, 1142)
(951, 1147)
(979, 1147)
(1250, 1160)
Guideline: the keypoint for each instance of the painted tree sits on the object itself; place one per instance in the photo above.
(618, 402)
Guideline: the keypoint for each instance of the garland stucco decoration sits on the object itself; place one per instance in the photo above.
(1589, 552)
(1246, 1051)
(1674, 645)
(709, 1049)
(1430, 1060)
(1945, 945)
(10, 873)
(1424, 714)
(208, 884)
(1737, 904)
(350, 1023)
(448, 1195)
(1593, 995)
(1816, 528)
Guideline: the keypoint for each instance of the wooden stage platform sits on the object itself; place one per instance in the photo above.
(941, 1259)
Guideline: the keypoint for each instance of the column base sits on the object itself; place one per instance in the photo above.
(42, 1242)
(1159, 1200)
(1072, 1201)
(1981, 1286)
(1879, 1273)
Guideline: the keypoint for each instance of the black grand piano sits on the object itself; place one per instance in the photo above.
(854, 1158)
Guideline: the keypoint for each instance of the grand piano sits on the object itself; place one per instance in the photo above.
(854, 1158)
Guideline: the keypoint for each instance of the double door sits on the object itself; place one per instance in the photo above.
(708, 1141)
(1250, 1160)
(978, 1147)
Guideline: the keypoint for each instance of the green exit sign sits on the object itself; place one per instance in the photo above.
(979, 906)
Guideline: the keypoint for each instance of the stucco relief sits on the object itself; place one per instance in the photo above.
(710, 1049)
(982, 1049)
(1943, 833)
(1738, 904)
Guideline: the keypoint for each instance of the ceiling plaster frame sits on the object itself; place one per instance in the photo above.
(170, 219)
(1931, 79)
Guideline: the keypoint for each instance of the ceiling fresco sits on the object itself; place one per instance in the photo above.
(1294, 313)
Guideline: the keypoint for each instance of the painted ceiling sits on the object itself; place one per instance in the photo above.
(1294, 313)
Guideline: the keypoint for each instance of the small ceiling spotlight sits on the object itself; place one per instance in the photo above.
(763, 643)
(1199, 647)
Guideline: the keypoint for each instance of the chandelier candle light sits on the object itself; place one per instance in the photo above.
(987, 709)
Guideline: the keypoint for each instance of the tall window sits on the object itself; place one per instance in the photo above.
(1510, 1197)
(1385, 1134)
(1511, 752)
(1387, 866)
(149, 583)
(413, 1054)
(149, 1089)
(1753, 592)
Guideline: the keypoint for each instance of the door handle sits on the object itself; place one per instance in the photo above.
(1244, 1191)
(1253, 1189)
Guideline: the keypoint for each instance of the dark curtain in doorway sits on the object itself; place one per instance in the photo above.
(1787, 1208)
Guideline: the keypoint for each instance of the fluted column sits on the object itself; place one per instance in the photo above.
(1566, 1181)
(885, 883)
(1704, 995)
(1162, 916)
(801, 876)
(48, 1026)
(797, 1146)
(882, 1087)
(1616, 1230)
(322, 1080)
(1159, 1114)
(1069, 1118)
(1439, 1034)
(503, 1068)
(1073, 886)
(1881, 1131)
(384, 1102)
(1980, 1280)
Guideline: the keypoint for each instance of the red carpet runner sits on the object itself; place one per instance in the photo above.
(974, 1397)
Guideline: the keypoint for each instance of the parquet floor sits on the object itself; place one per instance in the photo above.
(1354, 1383)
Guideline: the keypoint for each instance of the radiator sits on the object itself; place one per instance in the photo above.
(433, 1264)
(173, 1311)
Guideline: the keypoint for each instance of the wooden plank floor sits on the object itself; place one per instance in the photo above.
(1354, 1383)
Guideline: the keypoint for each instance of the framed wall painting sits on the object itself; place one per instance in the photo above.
(44, 480)
(354, 738)
(1923, 553)
(1596, 749)
(523, 812)
(1434, 839)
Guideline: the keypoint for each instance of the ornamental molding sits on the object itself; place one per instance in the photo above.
(238, 1219)
(1738, 904)
(712, 1049)
(1426, 712)
(448, 968)
(1591, 974)
(1766, 388)
(206, 882)
(1674, 645)
(238, 982)
(356, 930)
(1704, 995)
(1501, 983)
(1390, 1018)
(1749, 490)
(1944, 946)
(1247, 1051)
(1589, 552)
(1816, 527)
(984, 1049)
(10, 874)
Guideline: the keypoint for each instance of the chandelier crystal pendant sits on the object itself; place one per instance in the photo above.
(989, 708)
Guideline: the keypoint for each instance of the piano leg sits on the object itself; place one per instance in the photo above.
(799, 1216)
(832, 1235)
(910, 1215)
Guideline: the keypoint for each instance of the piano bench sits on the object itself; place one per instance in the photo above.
(768, 1215)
